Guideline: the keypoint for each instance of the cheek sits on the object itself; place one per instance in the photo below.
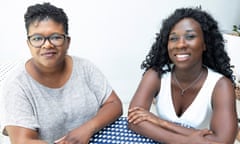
(199, 43)
(64, 50)
(170, 47)
(170, 51)
(67, 44)
(34, 53)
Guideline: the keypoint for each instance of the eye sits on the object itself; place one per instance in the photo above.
(56, 37)
(37, 38)
(173, 38)
(190, 36)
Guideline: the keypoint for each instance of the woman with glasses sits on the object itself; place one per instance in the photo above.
(188, 74)
(55, 97)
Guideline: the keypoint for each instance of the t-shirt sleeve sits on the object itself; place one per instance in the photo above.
(98, 83)
(16, 107)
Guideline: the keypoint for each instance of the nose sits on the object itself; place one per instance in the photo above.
(47, 44)
(181, 43)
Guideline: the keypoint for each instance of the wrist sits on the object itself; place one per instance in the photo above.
(92, 128)
(163, 123)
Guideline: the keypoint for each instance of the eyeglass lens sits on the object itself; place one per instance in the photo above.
(38, 40)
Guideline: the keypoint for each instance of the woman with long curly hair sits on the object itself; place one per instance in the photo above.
(188, 73)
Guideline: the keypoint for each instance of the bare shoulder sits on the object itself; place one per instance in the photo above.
(147, 89)
(224, 84)
(151, 75)
(150, 80)
(224, 90)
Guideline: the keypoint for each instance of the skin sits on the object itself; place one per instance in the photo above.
(52, 67)
(185, 48)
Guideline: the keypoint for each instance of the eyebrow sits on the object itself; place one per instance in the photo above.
(190, 30)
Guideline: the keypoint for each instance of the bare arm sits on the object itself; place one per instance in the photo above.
(108, 113)
(224, 121)
(20, 135)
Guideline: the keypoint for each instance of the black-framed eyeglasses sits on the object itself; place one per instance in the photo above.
(37, 40)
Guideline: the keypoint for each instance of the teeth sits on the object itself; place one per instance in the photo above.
(182, 56)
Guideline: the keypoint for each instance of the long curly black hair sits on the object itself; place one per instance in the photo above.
(39, 12)
(214, 57)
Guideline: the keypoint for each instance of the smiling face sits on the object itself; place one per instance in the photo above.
(48, 55)
(186, 43)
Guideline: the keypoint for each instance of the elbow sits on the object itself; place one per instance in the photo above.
(134, 127)
(120, 110)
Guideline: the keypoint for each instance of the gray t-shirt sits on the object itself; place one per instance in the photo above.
(54, 111)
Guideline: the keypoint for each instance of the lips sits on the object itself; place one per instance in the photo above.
(182, 57)
(48, 54)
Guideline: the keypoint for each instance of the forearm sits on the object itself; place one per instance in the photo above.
(222, 138)
(157, 133)
(21, 135)
(107, 114)
(27, 141)
(36, 142)
(175, 127)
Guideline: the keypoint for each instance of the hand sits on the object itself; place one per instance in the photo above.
(79, 135)
(138, 114)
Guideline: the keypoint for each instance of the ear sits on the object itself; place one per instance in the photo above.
(69, 39)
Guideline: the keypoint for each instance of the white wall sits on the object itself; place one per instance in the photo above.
(232, 47)
(115, 34)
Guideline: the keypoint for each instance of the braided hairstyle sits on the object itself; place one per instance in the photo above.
(39, 12)
(214, 57)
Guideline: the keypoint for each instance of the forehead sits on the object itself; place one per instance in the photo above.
(45, 26)
(187, 24)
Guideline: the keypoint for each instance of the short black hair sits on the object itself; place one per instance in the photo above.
(39, 12)
(214, 57)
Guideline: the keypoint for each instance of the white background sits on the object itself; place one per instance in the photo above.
(114, 34)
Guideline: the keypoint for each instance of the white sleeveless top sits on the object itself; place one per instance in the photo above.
(198, 114)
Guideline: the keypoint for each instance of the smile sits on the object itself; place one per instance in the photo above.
(182, 57)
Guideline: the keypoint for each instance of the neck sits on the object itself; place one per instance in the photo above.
(186, 76)
(46, 71)
(191, 82)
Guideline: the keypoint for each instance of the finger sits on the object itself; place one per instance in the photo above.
(133, 117)
(205, 132)
(134, 109)
(138, 117)
(59, 140)
(134, 113)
